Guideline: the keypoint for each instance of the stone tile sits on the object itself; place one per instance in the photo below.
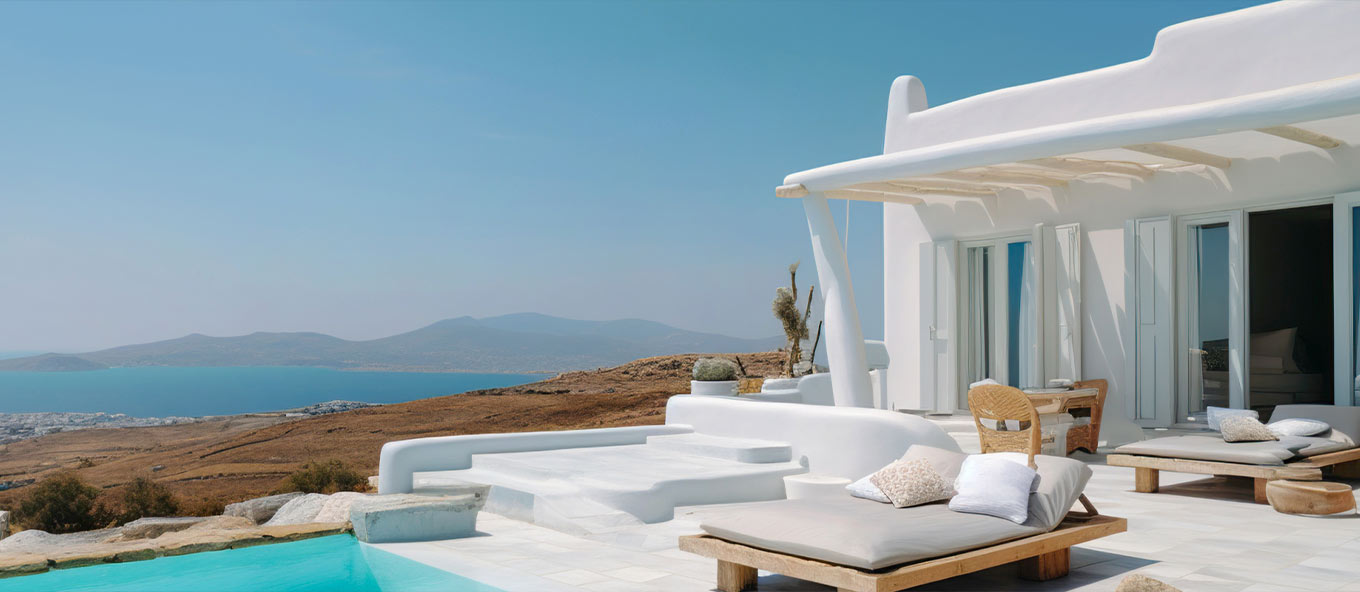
(576, 577)
(636, 574)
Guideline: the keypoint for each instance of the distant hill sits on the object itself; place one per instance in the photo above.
(525, 342)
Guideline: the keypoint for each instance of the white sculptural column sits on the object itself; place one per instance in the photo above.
(850, 384)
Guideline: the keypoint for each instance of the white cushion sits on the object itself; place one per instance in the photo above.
(865, 488)
(1267, 365)
(1216, 415)
(995, 486)
(1298, 427)
(982, 382)
(1277, 344)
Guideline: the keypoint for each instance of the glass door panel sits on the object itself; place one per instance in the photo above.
(1022, 338)
(1207, 319)
(977, 317)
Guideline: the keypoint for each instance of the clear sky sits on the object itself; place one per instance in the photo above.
(362, 169)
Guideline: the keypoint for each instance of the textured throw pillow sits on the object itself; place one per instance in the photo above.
(945, 462)
(865, 488)
(912, 483)
(1244, 429)
(1298, 427)
(995, 487)
(1216, 415)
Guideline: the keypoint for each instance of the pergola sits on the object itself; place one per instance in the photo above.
(1315, 117)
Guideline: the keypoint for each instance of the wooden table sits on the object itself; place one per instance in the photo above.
(1046, 402)
(1077, 402)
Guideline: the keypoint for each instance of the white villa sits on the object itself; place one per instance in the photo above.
(1181, 226)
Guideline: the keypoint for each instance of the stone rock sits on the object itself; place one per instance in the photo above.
(299, 510)
(18, 564)
(150, 528)
(223, 523)
(4, 523)
(336, 509)
(1142, 583)
(41, 541)
(260, 509)
(410, 517)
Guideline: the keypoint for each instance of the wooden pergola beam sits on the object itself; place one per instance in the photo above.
(791, 191)
(874, 196)
(1086, 166)
(1006, 177)
(1302, 136)
(915, 186)
(1181, 153)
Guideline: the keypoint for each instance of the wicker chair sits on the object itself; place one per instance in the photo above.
(1000, 403)
(1087, 436)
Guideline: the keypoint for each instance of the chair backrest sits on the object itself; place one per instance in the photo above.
(1103, 388)
(1000, 403)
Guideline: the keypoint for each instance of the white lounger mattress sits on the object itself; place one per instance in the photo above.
(871, 535)
(1345, 422)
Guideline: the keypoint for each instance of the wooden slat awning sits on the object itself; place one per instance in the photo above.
(1318, 116)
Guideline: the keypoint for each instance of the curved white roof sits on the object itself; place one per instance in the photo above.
(1259, 83)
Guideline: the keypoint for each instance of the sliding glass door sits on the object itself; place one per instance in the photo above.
(1211, 319)
(1000, 320)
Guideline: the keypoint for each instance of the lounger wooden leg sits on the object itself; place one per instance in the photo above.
(1145, 480)
(1047, 566)
(735, 577)
(1259, 490)
(1347, 470)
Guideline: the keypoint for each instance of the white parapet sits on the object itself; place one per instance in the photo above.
(401, 460)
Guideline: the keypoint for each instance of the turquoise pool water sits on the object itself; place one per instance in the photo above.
(327, 564)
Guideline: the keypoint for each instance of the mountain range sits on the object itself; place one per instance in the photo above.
(524, 342)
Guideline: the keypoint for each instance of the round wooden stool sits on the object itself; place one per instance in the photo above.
(1309, 497)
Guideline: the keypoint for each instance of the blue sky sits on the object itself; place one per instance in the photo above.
(362, 169)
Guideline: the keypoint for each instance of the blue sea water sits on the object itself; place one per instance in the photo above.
(327, 564)
(191, 391)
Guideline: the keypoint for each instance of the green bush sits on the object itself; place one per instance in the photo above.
(144, 497)
(707, 369)
(62, 503)
(326, 477)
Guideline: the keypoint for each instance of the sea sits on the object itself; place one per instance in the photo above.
(161, 391)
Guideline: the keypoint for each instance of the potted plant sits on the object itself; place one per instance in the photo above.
(795, 322)
(714, 376)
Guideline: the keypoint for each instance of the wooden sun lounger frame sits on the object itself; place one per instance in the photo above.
(1345, 464)
(1042, 556)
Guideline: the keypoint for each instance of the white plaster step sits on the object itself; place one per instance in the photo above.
(745, 450)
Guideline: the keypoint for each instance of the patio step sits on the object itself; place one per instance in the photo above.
(736, 449)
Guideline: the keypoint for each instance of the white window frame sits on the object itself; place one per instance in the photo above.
(1343, 294)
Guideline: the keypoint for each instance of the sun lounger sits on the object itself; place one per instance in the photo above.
(1295, 458)
(857, 544)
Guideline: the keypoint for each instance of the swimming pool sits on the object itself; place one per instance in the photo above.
(325, 564)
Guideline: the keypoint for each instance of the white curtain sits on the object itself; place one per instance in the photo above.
(1028, 325)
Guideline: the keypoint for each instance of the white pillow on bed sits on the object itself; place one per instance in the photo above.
(865, 488)
(1216, 415)
(994, 486)
(1277, 344)
(1298, 427)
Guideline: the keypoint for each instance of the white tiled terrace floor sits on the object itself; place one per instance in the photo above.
(1199, 534)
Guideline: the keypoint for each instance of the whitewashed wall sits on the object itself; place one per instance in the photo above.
(1252, 50)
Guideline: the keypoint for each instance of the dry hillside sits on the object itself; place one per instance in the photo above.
(224, 460)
